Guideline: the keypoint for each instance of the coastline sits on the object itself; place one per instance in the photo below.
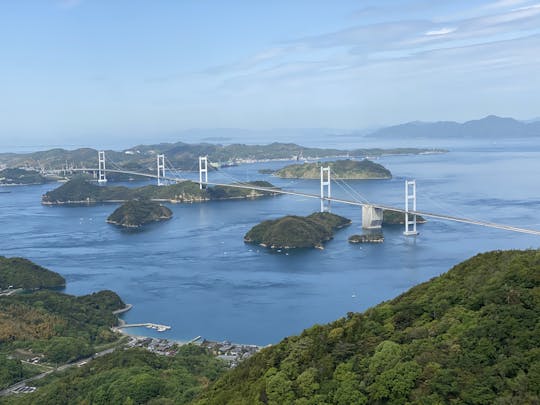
(197, 340)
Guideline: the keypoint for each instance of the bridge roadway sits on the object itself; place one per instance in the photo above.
(333, 199)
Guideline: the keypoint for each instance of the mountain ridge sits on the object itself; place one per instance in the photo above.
(491, 126)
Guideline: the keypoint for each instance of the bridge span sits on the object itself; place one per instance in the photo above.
(371, 212)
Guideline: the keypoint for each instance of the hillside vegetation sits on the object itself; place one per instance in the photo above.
(343, 169)
(61, 326)
(16, 272)
(11, 176)
(133, 376)
(135, 213)
(469, 336)
(79, 190)
(398, 218)
(294, 231)
(184, 156)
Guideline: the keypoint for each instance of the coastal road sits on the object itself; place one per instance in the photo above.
(10, 390)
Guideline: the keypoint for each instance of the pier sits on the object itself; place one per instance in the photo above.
(158, 327)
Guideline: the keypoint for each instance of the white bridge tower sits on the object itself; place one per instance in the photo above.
(325, 186)
(102, 174)
(160, 170)
(203, 171)
(410, 194)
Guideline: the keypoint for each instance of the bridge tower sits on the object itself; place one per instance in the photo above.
(102, 174)
(410, 194)
(160, 170)
(372, 217)
(325, 186)
(203, 171)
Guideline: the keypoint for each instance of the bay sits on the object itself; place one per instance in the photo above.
(196, 274)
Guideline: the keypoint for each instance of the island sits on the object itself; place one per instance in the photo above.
(293, 231)
(135, 213)
(343, 169)
(398, 218)
(19, 177)
(16, 272)
(184, 156)
(81, 191)
(266, 171)
(367, 238)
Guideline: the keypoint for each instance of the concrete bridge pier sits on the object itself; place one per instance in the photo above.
(372, 217)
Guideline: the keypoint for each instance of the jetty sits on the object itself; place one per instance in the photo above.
(158, 327)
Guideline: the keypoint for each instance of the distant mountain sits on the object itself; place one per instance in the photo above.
(488, 127)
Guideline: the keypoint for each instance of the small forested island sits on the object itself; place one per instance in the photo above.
(398, 218)
(16, 176)
(81, 191)
(16, 272)
(135, 213)
(343, 169)
(367, 238)
(293, 231)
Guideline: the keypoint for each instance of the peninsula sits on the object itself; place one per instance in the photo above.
(293, 231)
(20, 177)
(343, 169)
(135, 213)
(81, 191)
(16, 272)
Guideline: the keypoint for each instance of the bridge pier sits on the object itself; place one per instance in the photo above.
(102, 174)
(372, 217)
(410, 194)
(325, 186)
(203, 171)
(160, 169)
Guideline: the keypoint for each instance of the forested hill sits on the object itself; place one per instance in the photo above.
(185, 156)
(470, 336)
(78, 190)
(16, 272)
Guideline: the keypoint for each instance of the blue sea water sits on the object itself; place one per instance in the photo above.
(195, 273)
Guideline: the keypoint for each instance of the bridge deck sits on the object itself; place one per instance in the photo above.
(333, 199)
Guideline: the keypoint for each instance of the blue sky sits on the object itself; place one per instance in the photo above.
(73, 70)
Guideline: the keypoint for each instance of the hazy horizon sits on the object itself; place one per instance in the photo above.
(79, 72)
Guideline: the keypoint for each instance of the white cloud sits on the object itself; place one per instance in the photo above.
(442, 31)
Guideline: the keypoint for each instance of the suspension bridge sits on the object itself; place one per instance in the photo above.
(372, 213)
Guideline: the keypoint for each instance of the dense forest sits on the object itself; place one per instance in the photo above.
(133, 376)
(79, 190)
(342, 169)
(469, 336)
(16, 176)
(135, 213)
(294, 231)
(398, 218)
(16, 272)
(184, 156)
(58, 326)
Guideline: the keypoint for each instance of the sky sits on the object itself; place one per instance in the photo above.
(82, 72)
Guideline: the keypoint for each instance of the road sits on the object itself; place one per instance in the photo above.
(9, 390)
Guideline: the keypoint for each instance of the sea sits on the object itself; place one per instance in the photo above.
(196, 274)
